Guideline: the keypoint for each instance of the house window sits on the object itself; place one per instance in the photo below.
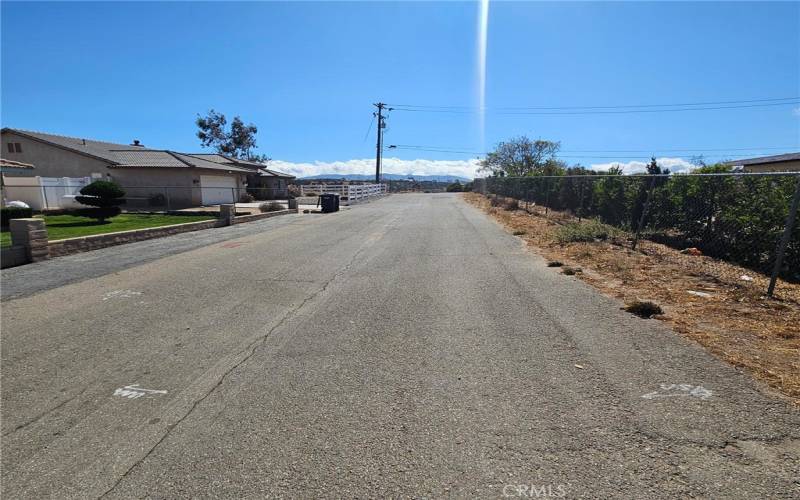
(14, 147)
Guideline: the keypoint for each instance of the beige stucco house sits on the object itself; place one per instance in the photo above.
(789, 162)
(145, 173)
(263, 183)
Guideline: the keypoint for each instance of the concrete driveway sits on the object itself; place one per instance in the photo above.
(405, 347)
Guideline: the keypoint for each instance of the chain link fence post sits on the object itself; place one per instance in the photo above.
(787, 233)
(166, 199)
(643, 216)
(546, 196)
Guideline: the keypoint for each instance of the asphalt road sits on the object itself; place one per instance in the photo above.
(405, 347)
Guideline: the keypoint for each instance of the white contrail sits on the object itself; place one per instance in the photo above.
(483, 35)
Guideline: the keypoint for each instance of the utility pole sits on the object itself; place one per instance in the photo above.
(379, 143)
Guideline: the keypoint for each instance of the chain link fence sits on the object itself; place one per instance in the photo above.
(744, 219)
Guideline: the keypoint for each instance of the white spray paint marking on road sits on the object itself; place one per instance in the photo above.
(134, 391)
(121, 294)
(679, 390)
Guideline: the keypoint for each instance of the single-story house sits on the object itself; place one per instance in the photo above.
(262, 183)
(146, 174)
(789, 162)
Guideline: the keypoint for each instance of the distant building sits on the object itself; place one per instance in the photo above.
(789, 162)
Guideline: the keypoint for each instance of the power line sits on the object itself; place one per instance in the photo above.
(369, 128)
(649, 151)
(567, 156)
(619, 106)
(603, 112)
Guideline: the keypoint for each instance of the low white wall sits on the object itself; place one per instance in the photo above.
(26, 189)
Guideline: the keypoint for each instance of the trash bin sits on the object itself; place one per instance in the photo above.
(329, 202)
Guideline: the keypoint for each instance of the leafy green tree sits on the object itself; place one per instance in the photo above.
(105, 196)
(609, 200)
(520, 156)
(238, 141)
(646, 184)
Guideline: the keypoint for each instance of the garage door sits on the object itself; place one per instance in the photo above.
(217, 189)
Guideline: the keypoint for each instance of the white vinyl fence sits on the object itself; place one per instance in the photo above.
(349, 192)
(41, 193)
(60, 192)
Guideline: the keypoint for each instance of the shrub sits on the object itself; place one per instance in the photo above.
(591, 230)
(519, 232)
(455, 187)
(272, 206)
(511, 204)
(246, 198)
(644, 309)
(8, 213)
(555, 263)
(106, 196)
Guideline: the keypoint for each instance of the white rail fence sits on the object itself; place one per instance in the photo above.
(349, 193)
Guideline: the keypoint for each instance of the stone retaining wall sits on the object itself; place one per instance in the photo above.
(93, 242)
(30, 236)
(13, 256)
(266, 215)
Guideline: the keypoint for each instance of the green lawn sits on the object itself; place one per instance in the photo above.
(60, 227)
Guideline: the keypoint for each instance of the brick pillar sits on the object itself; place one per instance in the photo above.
(31, 234)
(226, 214)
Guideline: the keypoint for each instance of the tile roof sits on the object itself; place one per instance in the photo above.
(227, 160)
(212, 157)
(765, 159)
(202, 163)
(266, 172)
(147, 158)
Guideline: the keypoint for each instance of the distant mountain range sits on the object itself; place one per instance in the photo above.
(390, 177)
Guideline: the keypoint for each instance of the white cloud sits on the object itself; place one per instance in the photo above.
(463, 168)
(675, 165)
(796, 111)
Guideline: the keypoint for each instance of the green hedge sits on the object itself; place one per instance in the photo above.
(8, 213)
(732, 217)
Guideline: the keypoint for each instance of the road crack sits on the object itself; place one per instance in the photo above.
(45, 413)
(251, 349)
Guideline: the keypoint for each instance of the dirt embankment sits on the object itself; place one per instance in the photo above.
(704, 299)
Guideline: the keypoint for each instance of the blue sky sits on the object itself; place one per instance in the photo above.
(307, 74)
